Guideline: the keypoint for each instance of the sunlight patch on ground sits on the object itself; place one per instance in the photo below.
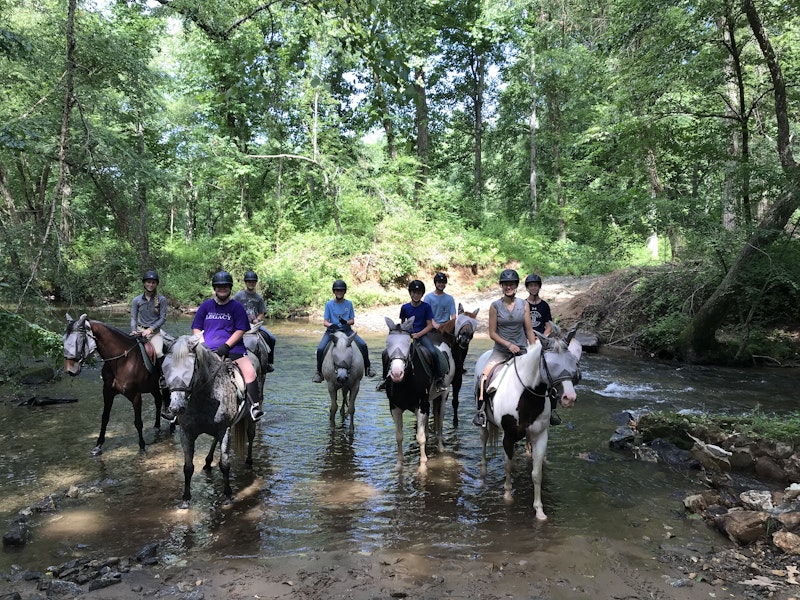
(342, 494)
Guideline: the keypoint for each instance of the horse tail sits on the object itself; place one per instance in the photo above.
(494, 434)
(239, 440)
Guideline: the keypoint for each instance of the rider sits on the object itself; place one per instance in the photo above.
(442, 304)
(339, 315)
(223, 321)
(423, 323)
(254, 305)
(540, 321)
(540, 309)
(149, 313)
(510, 328)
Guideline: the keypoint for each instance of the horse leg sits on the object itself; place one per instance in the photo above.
(351, 403)
(137, 420)
(422, 425)
(538, 450)
(108, 402)
(457, 380)
(484, 439)
(251, 435)
(344, 407)
(438, 419)
(225, 467)
(334, 406)
(508, 446)
(187, 443)
(210, 456)
(397, 417)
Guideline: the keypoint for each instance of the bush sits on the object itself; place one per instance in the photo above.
(22, 340)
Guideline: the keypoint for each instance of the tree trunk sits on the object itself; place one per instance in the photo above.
(423, 141)
(698, 339)
(480, 76)
(533, 124)
(141, 197)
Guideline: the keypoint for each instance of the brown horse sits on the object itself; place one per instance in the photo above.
(458, 334)
(124, 370)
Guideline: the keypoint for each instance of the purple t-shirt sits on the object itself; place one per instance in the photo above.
(219, 321)
(421, 313)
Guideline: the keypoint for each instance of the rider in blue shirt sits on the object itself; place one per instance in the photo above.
(340, 315)
(442, 304)
(423, 323)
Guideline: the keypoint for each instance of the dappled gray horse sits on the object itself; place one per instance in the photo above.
(517, 401)
(343, 368)
(204, 396)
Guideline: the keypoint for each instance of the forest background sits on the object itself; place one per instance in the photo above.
(380, 141)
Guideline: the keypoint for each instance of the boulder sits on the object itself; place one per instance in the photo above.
(743, 526)
(787, 541)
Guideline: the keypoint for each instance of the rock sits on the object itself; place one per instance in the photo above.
(672, 455)
(36, 375)
(742, 459)
(622, 439)
(711, 456)
(777, 450)
(790, 520)
(792, 492)
(743, 526)
(756, 500)
(695, 503)
(767, 468)
(63, 589)
(105, 581)
(787, 541)
(148, 553)
(18, 535)
(791, 466)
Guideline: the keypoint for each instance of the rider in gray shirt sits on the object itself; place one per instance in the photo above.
(149, 313)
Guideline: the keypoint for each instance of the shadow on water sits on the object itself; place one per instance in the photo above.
(313, 488)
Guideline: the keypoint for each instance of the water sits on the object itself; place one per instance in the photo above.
(313, 488)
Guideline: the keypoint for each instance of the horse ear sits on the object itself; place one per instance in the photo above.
(82, 320)
(544, 340)
(555, 330)
(351, 337)
(476, 311)
(460, 309)
(576, 349)
(406, 325)
(69, 319)
(389, 323)
(571, 333)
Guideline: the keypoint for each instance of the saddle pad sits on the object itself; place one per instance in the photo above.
(498, 373)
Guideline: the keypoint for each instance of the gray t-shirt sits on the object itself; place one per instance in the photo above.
(511, 325)
(253, 303)
(443, 306)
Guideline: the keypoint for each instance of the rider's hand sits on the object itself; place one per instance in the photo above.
(343, 321)
(223, 350)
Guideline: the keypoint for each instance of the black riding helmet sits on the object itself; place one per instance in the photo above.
(533, 278)
(509, 276)
(250, 276)
(339, 285)
(416, 286)
(150, 275)
(440, 277)
(222, 278)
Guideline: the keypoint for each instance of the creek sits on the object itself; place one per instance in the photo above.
(313, 488)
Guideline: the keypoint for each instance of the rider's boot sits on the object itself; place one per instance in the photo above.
(479, 420)
(554, 418)
(381, 387)
(370, 372)
(255, 402)
(318, 375)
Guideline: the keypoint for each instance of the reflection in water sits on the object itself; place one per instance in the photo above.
(313, 487)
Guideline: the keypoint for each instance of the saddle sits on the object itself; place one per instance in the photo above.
(427, 359)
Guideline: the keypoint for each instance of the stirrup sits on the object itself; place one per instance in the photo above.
(381, 387)
(317, 378)
(270, 368)
(479, 420)
(370, 372)
(255, 412)
(554, 418)
(440, 386)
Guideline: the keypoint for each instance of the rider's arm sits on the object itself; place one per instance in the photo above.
(162, 314)
(235, 338)
(529, 327)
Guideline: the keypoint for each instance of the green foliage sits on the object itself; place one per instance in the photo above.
(97, 269)
(21, 340)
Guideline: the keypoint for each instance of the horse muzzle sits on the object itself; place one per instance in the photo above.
(72, 367)
(177, 402)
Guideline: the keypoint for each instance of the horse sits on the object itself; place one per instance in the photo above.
(408, 386)
(517, 401)
(458, 333)
(343, 368)
(204, 397)
(124, 369)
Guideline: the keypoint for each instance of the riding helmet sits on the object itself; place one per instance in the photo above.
(250, 276)
(533, 278)
(440, 277)
(150, 275)
(222, 278)
(339, 285)
(509, 276)
(416, 286)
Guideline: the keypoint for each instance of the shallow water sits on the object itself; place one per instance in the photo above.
(313, 488)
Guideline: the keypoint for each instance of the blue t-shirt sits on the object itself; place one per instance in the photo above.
(334, 310)
(219, 321)
(442, 306)
(421, 313)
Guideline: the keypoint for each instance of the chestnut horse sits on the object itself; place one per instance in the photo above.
(458, 334)
(124, 369)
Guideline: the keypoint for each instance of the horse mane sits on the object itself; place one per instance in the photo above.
(180, 348)
(114, 330)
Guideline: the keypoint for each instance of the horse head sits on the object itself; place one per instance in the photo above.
(560, 368)
(398, 347)
(79, 344)
(178, 369)
(342, 354)
(466, 324)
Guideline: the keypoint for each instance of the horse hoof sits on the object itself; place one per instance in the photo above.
(184, 505)
(97, 451)
(227, 503)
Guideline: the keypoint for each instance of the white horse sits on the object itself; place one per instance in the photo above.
(343, 368)
(518, 402)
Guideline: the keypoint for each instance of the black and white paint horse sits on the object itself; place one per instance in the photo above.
(204, 396)
(520, 402)
(408, 386)
(343, 369)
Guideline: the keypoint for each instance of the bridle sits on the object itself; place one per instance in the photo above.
(551, 382)
(87, 348)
